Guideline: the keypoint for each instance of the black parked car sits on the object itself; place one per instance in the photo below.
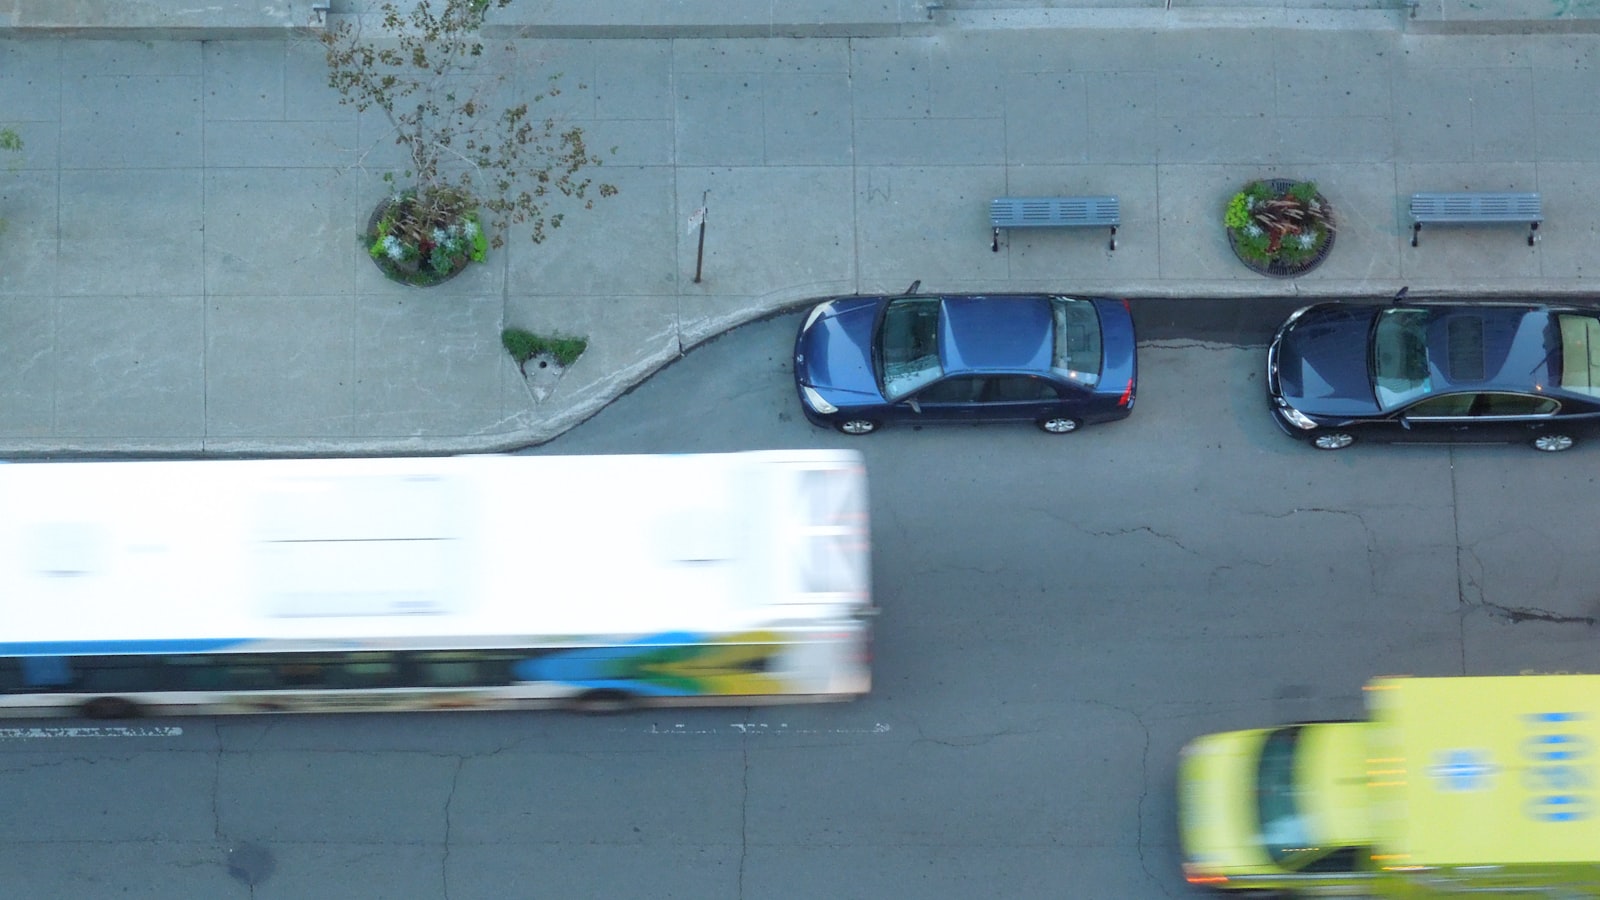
(1439, 372)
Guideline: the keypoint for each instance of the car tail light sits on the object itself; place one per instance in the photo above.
(1127, 395)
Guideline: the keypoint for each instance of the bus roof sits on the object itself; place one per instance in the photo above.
(1486, 771)
(394, 552)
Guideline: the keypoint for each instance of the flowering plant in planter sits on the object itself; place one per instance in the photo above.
(1280, 227)
(425, 241)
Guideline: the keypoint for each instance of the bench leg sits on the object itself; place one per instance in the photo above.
(994, 241)
(1113, 239)
(1533, 233)
(1416, 229)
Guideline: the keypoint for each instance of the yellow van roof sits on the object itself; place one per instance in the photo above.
(1486, 771)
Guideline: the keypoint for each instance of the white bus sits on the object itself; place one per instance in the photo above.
(595, 582)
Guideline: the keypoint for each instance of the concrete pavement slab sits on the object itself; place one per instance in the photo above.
(629, 248)
(318, 252)
(132, 121)
(1568, 253)
(265, 381)
(130, 367)
(427, 365)
(131, 231)
(29, 245)
(766, 227)
(28, 378)
(926, 222)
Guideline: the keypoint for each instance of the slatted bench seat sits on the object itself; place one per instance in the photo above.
(1476, 208)
(1053, 212)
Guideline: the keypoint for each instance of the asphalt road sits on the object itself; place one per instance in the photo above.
(1060, 615)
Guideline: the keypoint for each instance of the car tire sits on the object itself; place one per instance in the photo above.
(1059, 425)
(1553, 443)
(856, 426)
(1332, 440)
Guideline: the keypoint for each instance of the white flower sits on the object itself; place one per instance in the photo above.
(1253, 230)
(1306, 239)
(392, 248)
(470, 228)
(440, 235)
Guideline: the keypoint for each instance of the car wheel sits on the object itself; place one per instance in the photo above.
(857, 426)
(1553, 443)
(1059, 425)
(1333, 440)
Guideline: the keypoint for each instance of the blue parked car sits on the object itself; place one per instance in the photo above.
(1437, 372)
(1060, 362)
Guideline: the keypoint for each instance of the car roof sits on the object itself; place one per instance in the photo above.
(996, 334)
(1484, 346)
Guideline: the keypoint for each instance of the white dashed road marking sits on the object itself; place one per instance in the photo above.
(21, 734)
(781, 728)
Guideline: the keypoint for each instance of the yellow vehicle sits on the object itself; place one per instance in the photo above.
(1482, 786)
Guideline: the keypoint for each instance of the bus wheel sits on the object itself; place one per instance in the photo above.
(602, 702)
(110, 708)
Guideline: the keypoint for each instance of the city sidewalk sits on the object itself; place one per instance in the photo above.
(182, 272)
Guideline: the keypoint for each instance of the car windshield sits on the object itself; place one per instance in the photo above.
(908, 345)
(1077, 354)
(1579, 364)
(1284, 830)
(1399, 362)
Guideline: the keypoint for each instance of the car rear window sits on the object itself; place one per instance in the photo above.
(1580, 353)
(1077, 354)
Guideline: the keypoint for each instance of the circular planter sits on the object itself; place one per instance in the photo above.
(1277, 267)
(415, 272)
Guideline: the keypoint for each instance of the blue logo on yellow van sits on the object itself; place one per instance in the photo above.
(1463, 770)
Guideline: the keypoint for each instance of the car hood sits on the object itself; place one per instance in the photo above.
(1218, 816)
(1322, 361)
(832, 351)
(1216, 809)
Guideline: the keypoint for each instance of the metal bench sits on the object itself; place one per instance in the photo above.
(1476, 208)
(1053, 212)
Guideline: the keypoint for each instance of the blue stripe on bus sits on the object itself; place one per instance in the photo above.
(668, 638)
(629, 685)
(115, 648)
(596, 668)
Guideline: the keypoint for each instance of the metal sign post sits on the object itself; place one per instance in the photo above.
(698, 220)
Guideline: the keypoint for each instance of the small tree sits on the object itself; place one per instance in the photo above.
(423, 72)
